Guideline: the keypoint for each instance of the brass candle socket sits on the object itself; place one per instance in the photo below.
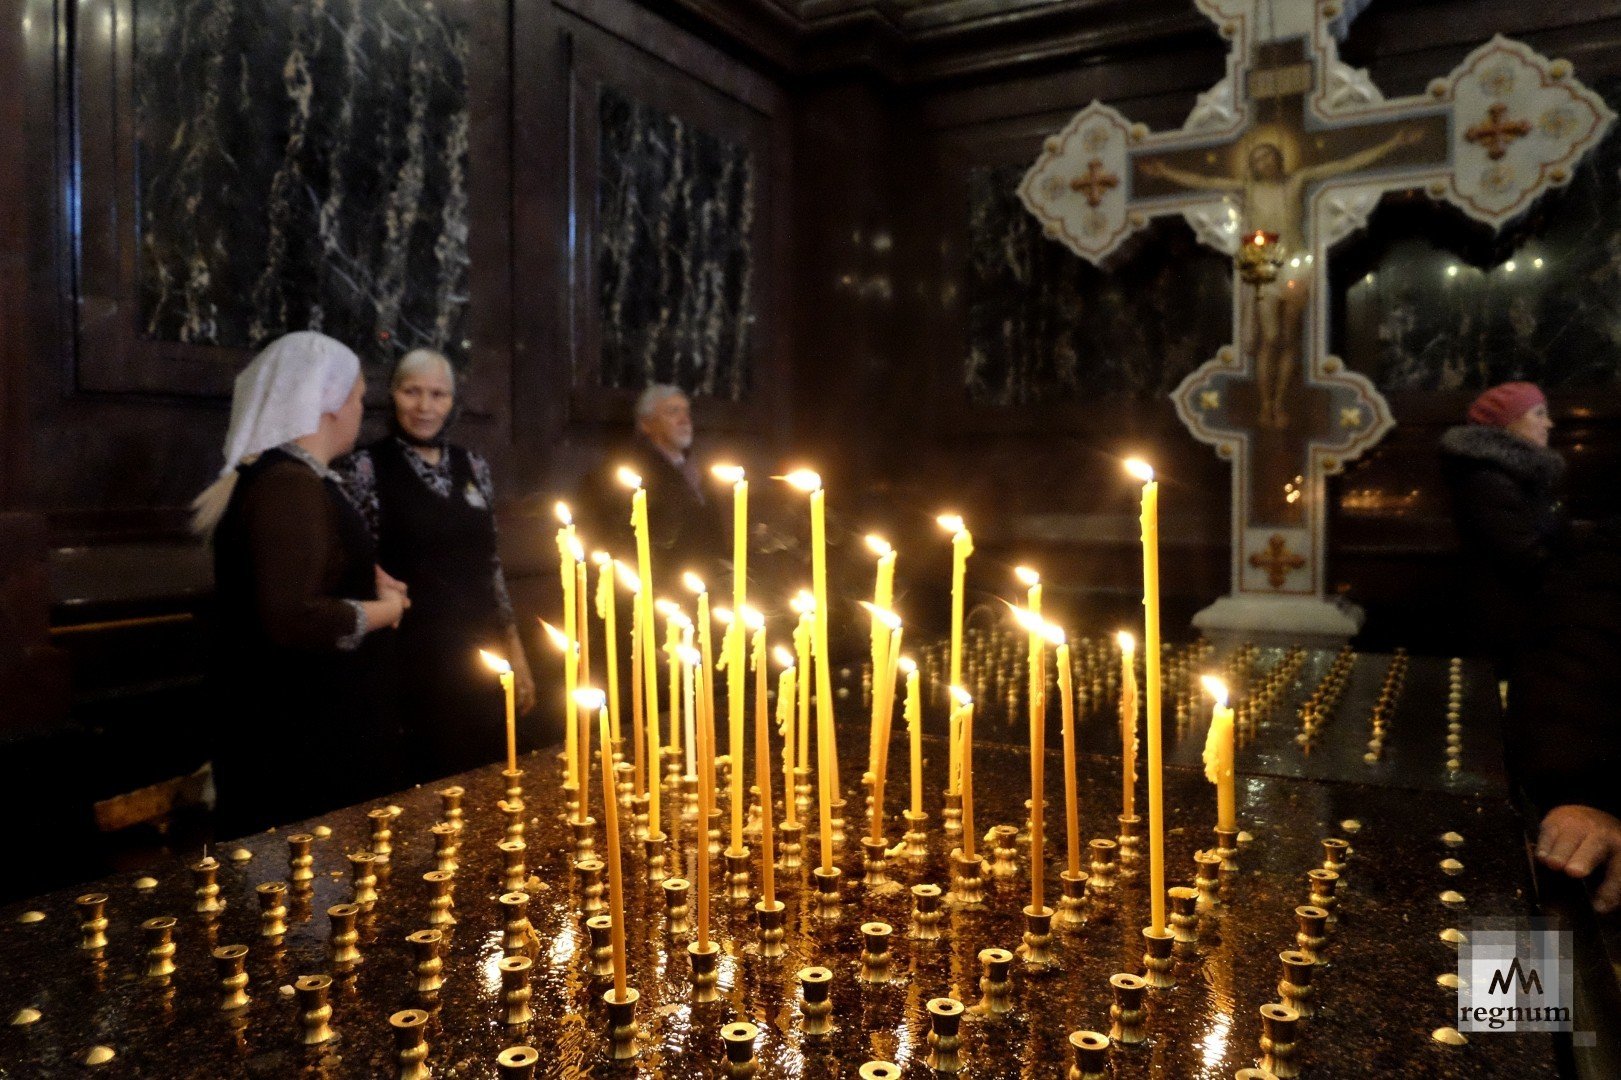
(585, 836)
(1253, 1073)
(676, 906)
(1227, 848)
(517, 1063)
(382, 833)
(514, 779)
(362, 880)
(1157, 959)
(1207, 881)
(1126, 1016)
(591, 886)
(92, 921)
(205, 887)
(1104, 857)
(951, 816)
(272, 912)
(1335, 854)
(995, 985)
(712, 831)
(737, 875)
(705, 975)
(874, 952)
(790, 845)
(314, 1008)
(600, 959)
(515, 812)
(1324, 886)
(517, 935)
(622, 1024)
(411, 1044)
(654, 847)
(967, 880)
(802, 790)
(1037, 949)
(638, 806)
(450, 806)
(1294, 985)
(739, 1039)
(429, 967)
(879, 1070)
(514, 874)
(445, 846)
(1312, 934)
(1072, 899)
(874, 864)
(1184, 915)
(231, 962)
(158, 936)
(916, 836)
(827, 892)
(515, 989)
(770, 919)
(837, 820)
(926, 913)
(1131, 831)
(945, 1042)
(1278, 1024)
(344, 944)
(442, 900)
(816, 1008)
(1005, 852)
(1091, 1055)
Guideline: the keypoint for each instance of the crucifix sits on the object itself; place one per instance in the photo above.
(1277, 163)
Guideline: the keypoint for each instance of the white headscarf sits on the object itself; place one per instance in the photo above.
(281, 395)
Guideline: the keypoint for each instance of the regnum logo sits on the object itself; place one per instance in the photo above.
(1515, 975)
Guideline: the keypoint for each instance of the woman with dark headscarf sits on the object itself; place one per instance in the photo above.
(302, 717)
(431, 507)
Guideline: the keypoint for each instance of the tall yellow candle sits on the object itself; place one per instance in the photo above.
(762, 762)
(826, 752)
(804, 605)
(881, 771)
(706, 803)
(1151, 655)
(672, 647)
(914, 731)
(582, 634)
(571, 665)
(1128, 723)
(883, 592)
(1218, 755)
(735, 670)
(965, 723)
(1066, 692)
(503, 670)
(650, 667)
(590, 702)
(638, 728)
(566, 545)
(786, 681)
(1038, 630)
(607, 611)
(962, 546)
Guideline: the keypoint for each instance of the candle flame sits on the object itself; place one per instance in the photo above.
(1026, 576)
(1028, 621)
(803, 603)
(803, 479)
(1127, 643)
(783, 655)
(694, 583)
(667, 608)
(1053, 633)
(753, 619)
(1215, 688)
(628, 577)
(689, 656)
(722, 615)
(731, 474)
(883, 615)
(556, 636)
(495, 663)
(601, 558)
(590, 698)
(578, 550)
(1140, 469)
(961, 697)
(628, 478)
(564, 514)
(908, 665)
(952, 523)
(878, 545)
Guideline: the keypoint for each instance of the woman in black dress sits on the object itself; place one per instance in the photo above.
(430, 505)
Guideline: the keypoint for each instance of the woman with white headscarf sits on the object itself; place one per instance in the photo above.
(303, 720)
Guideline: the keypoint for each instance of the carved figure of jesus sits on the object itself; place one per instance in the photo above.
(1272, 200)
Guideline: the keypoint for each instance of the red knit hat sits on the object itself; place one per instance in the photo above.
(1505, 403)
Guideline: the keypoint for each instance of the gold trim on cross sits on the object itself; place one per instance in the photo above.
(1096, 183)
(1497, 134)
(1278, 561)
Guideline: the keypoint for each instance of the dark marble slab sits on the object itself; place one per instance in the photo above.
(302, 166)
(1378, 996)
(675, 222)
(1045, 326)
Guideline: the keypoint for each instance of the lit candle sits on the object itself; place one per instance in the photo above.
(1156, 780)
(650, 664)
(637, 729)
(504, 671)
(735, 670)
(826, 754)
(883, 592)
(1038, 630)
(582, 635)
(573, 750)
(1066, 692)
(705, 698)
(672, 646)
(1128, 723)
(688, 701)
(786, 681)
(566, 544)
(591, 701)
(706, 802)
(762, 757)
(914, 731)
(1218, 754)
(883, 712)
(607, 570)
(1031, 580)
(965, 724)
(962, 546)
(803, 604)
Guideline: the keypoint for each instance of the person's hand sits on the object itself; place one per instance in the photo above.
(388, 583)
(391, 603)
(1577, 840)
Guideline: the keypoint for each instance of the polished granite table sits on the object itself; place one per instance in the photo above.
(1378, 997)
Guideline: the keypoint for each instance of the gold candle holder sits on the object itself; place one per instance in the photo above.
(1278, 1023)
(622, 1024)
(230, 961)
(1157, 959)
(790, 844)
(1072, 899)
(752, 821)
(517, 935)
(1312, 933)
(771, 919)
(836, 809)
(206, 888)
(411, 1044)
(951, 816)
(816, 1007)
(1207, 881)
(514, 873)
(1131, 830)
(1294, 986)
(654, 847)
(314, 1008)
(450, 806)
(1104, 853)
(514, 779)
(712, 831)
(916, 837)
(1091, 1055)
(737, 875)
(515, 989)
(638, 806)
(1227, 848)
(300, 863)
(705, 974)
(1037, 949)
(159, 939)
(1335, 854)
(272, 912)
(879, 1070)
(925, 913)
(517, 1063)
(92, 921)
(429, 968)
(1126, 1017)
(874, 952)
(1253, 1073)
(1184, 915)
(362, 880)
(945, 1042)
(1004, 852)
(676, 906)
(739, 1039)
(515, 811)
(1324, 886)
(344, 943)
(624, 780)
(874, 865)
(967, 880)
(445, 847)
(995, 985)
(591, 887)
(585, 836)
(442, 900)
(802, 790)
(600, 958)
(827, 892)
